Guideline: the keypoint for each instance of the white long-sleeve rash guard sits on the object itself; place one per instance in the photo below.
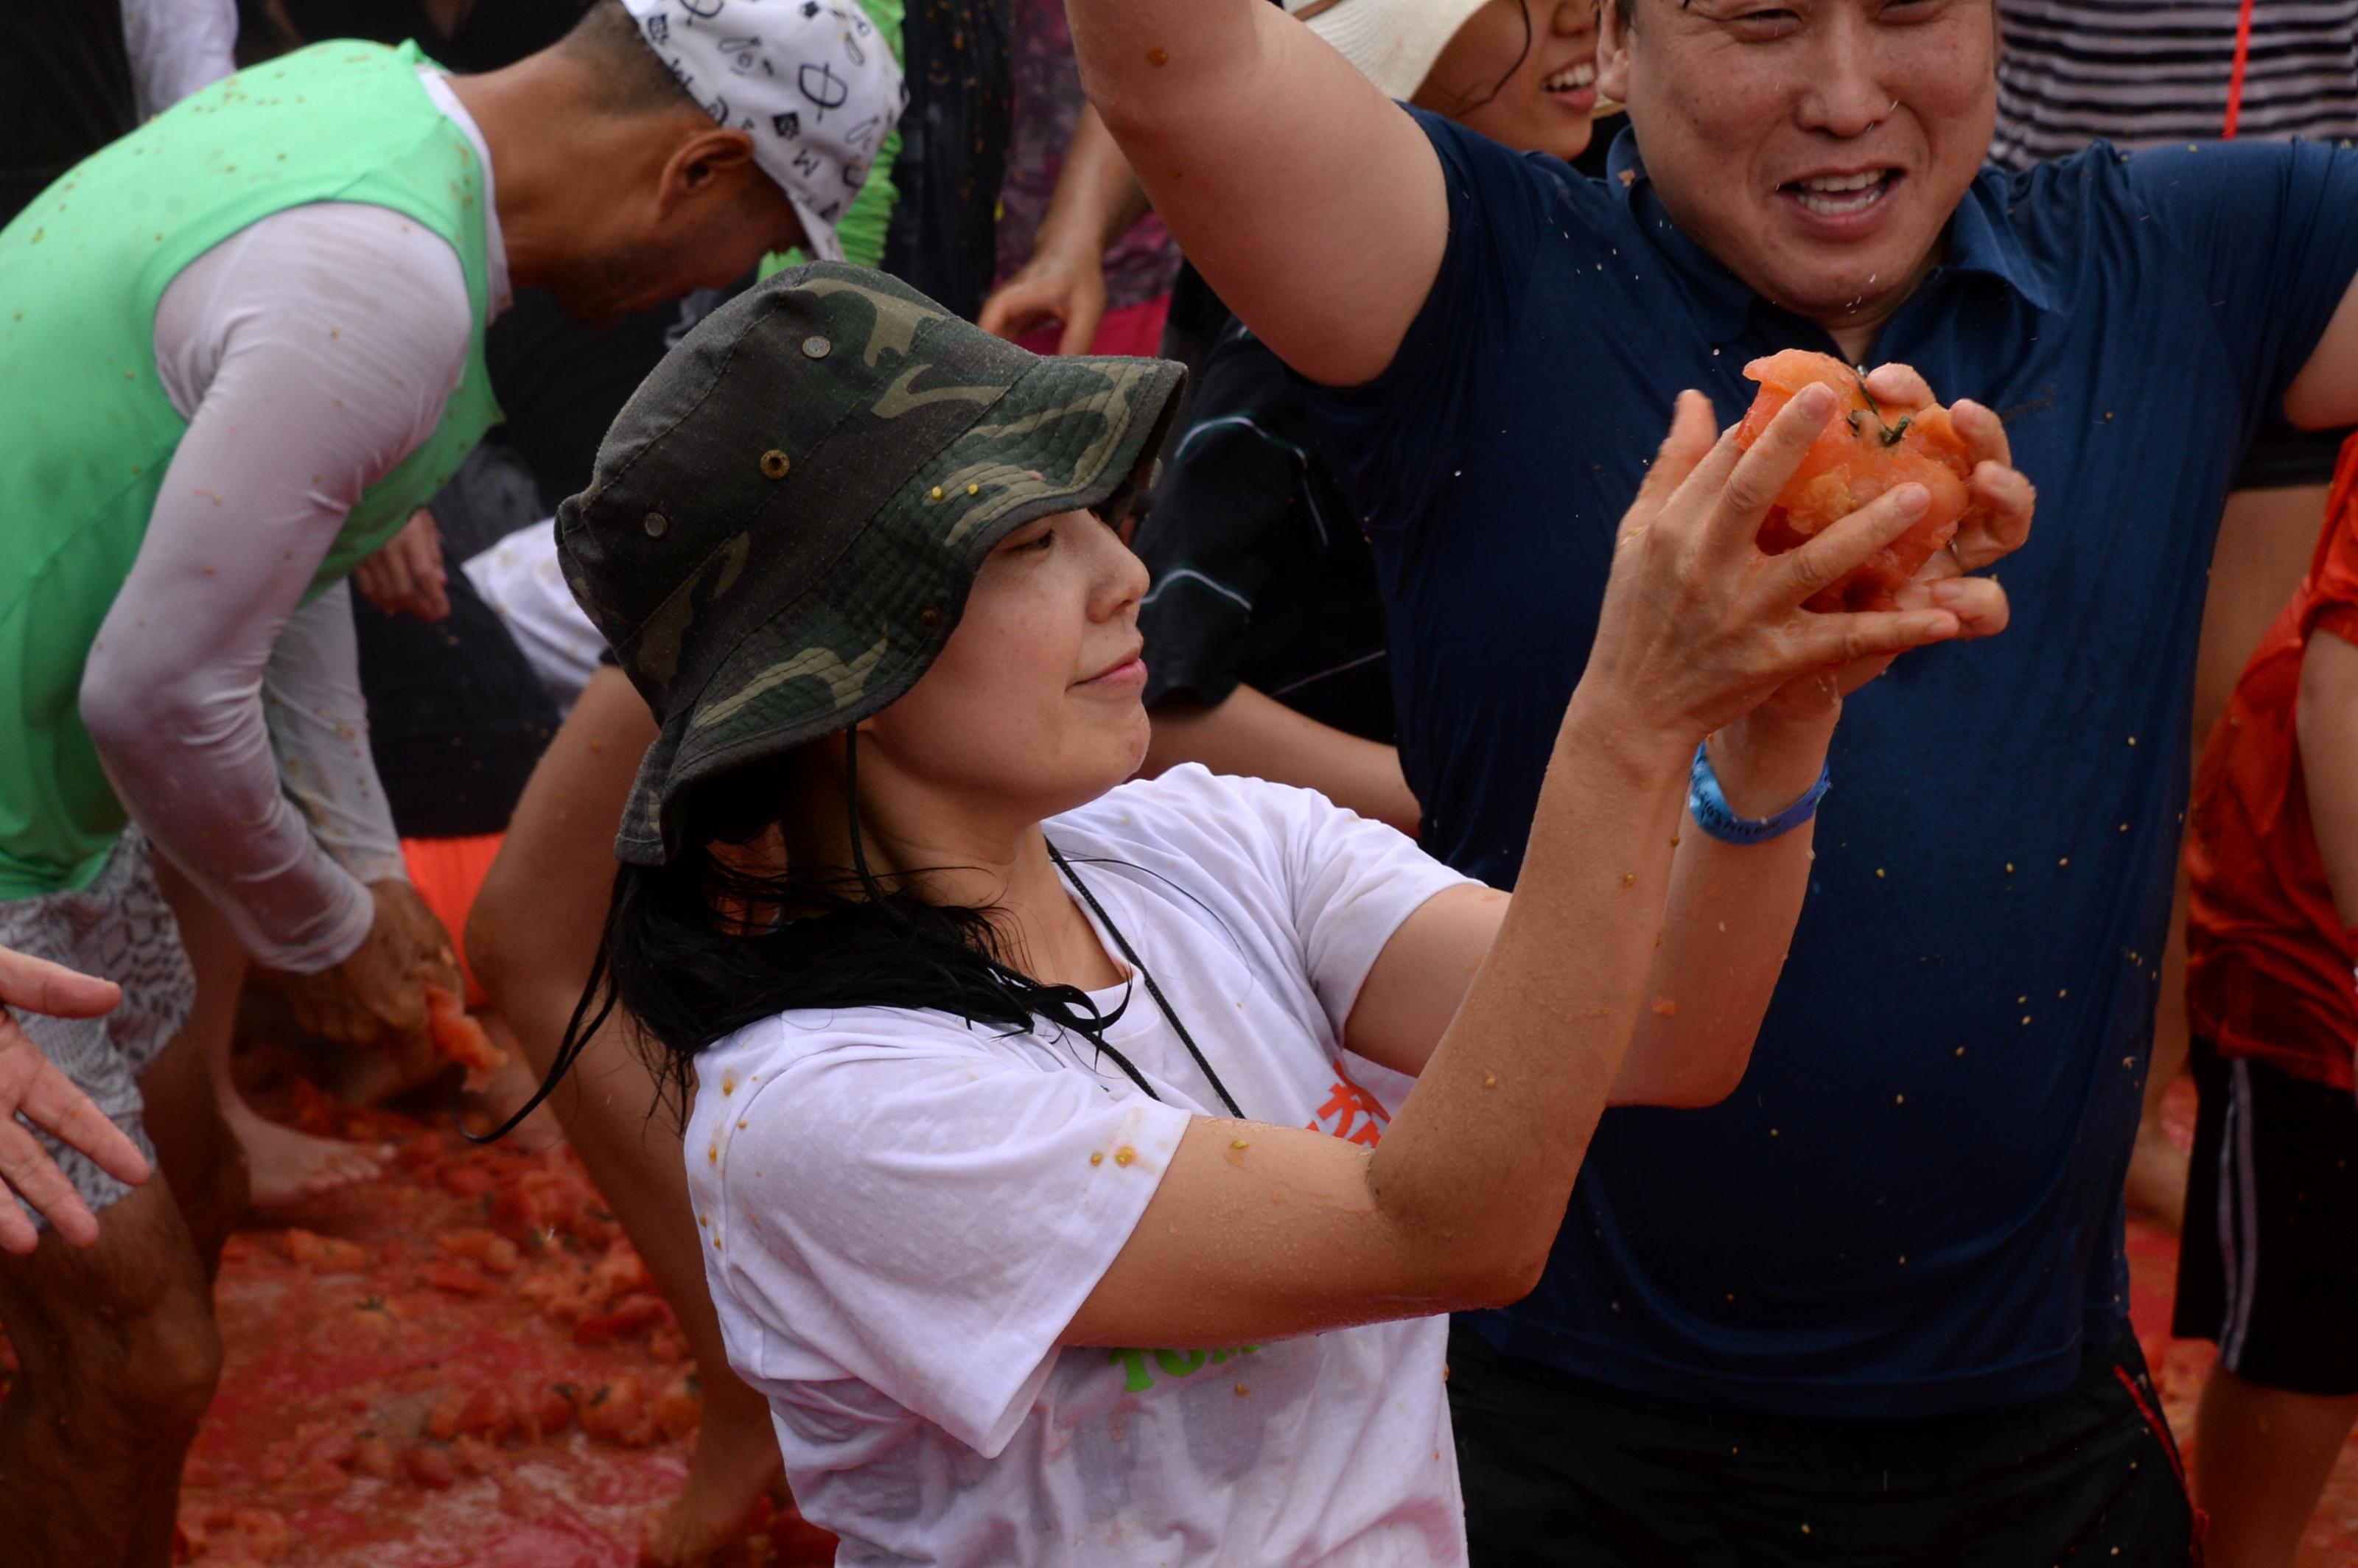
(310, 353)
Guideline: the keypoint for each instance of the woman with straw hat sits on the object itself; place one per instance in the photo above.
(1036, 1171)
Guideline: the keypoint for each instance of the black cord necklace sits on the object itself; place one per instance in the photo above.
(1130, 956)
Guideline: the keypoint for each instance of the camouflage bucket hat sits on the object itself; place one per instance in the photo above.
(784, 520)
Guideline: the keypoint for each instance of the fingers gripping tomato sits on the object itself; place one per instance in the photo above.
(1866, 448)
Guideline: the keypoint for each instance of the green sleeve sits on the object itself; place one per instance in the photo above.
(871, 213)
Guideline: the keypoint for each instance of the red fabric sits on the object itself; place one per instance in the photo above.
(448, 873)
(2269, 956)
(2235, 74)
(1135, 329)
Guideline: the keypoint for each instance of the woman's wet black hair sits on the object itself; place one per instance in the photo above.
(696, 950)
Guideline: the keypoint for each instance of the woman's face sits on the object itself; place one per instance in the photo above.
(1034, 704)
(1522, 72)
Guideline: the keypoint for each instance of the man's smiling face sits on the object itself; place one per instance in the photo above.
(1817, 147)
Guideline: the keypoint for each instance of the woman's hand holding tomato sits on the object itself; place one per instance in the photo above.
(1700, 626)
(1994, 524)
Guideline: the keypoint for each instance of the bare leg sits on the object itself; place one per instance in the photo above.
(2264, 540)
(119, 1358)
(284, 1166)
(194, 1147)
(2157, 1182)
(2261, 1459)
(119, 1350)
(531, 941)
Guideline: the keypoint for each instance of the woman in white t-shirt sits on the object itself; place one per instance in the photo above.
(1081, 1166)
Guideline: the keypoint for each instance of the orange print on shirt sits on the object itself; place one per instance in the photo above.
(1351, 1112)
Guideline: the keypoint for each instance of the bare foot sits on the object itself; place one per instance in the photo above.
(734, 1466)
(2157, 1184)
(286, 1167)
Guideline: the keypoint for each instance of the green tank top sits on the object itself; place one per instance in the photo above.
(90, 428)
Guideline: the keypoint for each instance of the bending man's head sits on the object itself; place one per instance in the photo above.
(1817, 147)
(665, 145)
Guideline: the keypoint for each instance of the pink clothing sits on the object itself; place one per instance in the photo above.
(1132, 329)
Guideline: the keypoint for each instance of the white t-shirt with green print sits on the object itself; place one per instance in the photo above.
(901, 1213)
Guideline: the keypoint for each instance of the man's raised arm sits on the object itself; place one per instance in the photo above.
(1313, 204)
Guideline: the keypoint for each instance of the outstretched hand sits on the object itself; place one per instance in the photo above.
(32, 1087)
(1064, 284)
(1699, 626)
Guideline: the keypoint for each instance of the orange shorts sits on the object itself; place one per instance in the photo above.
(448, 874)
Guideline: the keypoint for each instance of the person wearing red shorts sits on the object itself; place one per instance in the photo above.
(2269, 1268)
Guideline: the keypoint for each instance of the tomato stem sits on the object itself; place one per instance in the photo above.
(1891, 433)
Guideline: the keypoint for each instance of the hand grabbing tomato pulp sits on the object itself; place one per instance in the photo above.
(1865, 449)
(459, 1037)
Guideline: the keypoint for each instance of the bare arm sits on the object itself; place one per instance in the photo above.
(2325, 393)
(1723, 932)
(1260, 737)
(1313, 204)
(533, 934)
(1097, 199)
(2326, 720)
(1459, 1204)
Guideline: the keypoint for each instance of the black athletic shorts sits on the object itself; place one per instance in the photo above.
(1557, 1470)
(2281, 458)
(2268, 1265)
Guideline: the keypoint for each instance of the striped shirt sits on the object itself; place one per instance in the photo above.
(2139, 74)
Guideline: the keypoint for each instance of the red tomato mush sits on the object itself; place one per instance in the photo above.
(458, 1037)
(1865, 451)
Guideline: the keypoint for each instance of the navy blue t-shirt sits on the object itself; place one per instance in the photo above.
(1913, 1202)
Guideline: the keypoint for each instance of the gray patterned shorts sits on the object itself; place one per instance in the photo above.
(121, 929)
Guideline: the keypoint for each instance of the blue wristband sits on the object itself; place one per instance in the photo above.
(1713, 815)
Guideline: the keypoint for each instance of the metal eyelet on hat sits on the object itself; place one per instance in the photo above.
(775, 464)
(816, 347)
(929, 617)
(656, 524)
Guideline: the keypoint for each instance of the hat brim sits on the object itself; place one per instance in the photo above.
(1394, 43)
(788, 680)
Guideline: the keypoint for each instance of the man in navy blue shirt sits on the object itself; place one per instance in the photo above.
(1871, 1308)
